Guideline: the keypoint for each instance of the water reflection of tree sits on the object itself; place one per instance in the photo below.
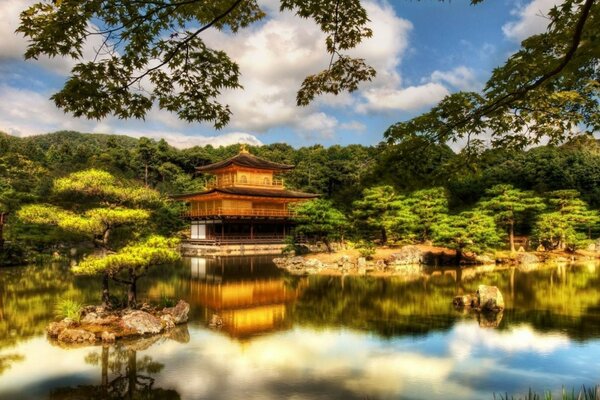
(551, 297)
(27, 295)
(123, 376)
(7, 360)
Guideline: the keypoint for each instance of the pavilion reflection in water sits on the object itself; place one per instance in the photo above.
(249, 294)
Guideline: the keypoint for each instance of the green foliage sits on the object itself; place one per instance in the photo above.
(155, 250)
(319, 219)
(137, 65)
(509, 205)
(429, 206)
(106, 187)
(68, 308)
(366, 249)
(546, 90)
(376, 209)
(583, 394)
(565, 225)
(471, 231)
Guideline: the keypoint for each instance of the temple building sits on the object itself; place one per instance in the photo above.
(244, 209)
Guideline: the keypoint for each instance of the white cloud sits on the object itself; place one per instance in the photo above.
(353, 126)
(531, 19)
(411, 98)
(13, 45)
(25, 112)
(274, 57)
(461, 78)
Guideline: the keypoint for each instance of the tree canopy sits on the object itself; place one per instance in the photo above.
(153, 52)
(548, 89)
(508, 205)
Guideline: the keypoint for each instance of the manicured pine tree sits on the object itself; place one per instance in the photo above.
(472, 231)
(509, 205)
(133, 261)
(377, 209)
(318, 219)
(429, 206)
(111, 204)
(563, 226)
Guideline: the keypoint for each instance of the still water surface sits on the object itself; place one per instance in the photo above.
(311, 337)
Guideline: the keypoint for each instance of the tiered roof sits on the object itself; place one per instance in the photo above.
(247, 160)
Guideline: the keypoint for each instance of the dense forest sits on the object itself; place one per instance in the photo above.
(369, 185)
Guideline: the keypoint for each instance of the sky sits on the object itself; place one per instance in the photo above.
(422, 51)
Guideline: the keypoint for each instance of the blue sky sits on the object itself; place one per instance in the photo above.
(422, 51)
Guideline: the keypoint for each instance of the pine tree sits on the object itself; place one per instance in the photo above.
(508, 205)
(111, 204)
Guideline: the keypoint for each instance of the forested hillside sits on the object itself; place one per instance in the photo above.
(341, 174)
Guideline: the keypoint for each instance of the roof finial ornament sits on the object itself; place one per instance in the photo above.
(243, 148)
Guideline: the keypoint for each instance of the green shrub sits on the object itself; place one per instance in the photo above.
(166, 301)
(366, 249)
(68, 308)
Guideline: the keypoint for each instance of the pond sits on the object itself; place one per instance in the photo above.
(311, 337)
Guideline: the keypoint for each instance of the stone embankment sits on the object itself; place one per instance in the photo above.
(412, 260)
(98, 324)
(407, 260)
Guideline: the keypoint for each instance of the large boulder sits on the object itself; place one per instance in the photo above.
(76, 336)
(179, 312)
(407, 255)
(94, 318)
(527, 258)
(55, 328)
(490, 298)
(142, 322)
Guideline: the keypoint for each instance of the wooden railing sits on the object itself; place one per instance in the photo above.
(226, 182)
(256, 239)
(243, 212)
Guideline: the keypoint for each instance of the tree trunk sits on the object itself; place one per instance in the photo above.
(383, 236)
(146, 174)
(132, 289)
(2, 218)
(105, 290)
(511, 236)
(458, 258)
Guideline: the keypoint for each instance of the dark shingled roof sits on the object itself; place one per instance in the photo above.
(245, 159)
(255, 192)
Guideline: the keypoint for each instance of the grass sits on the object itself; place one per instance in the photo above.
(583, 394)
(68, 308)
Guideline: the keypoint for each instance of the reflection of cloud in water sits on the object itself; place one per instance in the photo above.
(44, 363)
(467, 336)
(467, 362)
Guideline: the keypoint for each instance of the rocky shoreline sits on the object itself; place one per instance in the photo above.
(100, 325)
(412, 260)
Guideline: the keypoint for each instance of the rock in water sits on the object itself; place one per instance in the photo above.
(216, 321)
(56, 328)
(76, 336)
(142, 322)
(179, 312)
(490, 298)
